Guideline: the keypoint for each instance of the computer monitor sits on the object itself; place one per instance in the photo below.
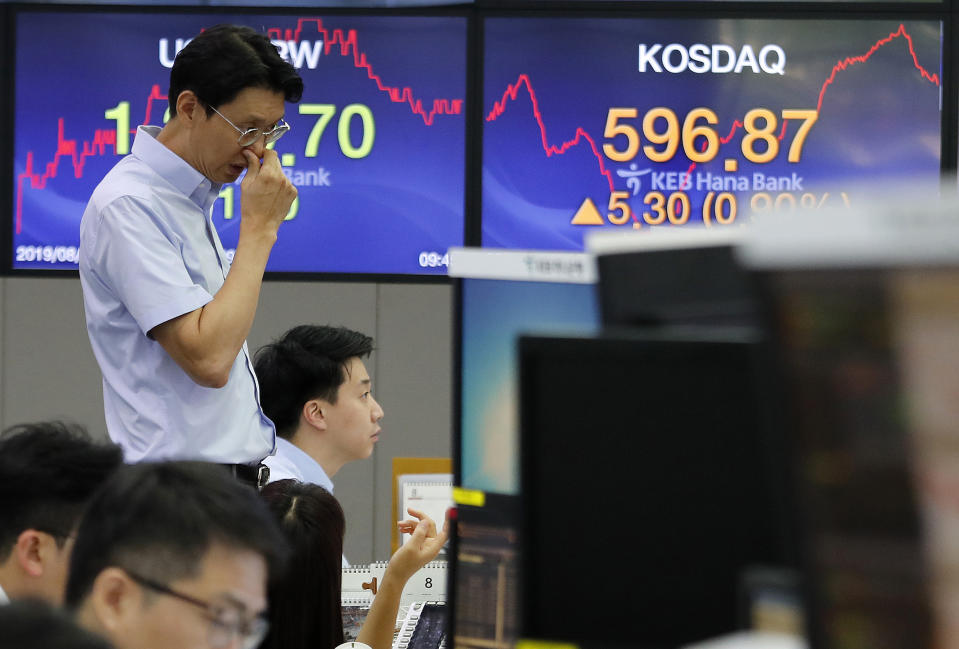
(864, 318)
(483, 591)
(672, 277)
(500, 295)
(868, 359)
(649, 486)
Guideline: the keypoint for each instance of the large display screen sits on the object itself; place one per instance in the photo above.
(376, 148)
(639, 123)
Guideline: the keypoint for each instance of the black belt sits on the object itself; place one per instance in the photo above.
(255, 475)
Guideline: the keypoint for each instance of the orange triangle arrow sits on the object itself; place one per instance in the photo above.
(587, 214)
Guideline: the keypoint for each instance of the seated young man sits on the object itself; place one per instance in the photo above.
(174, 555)
(316, 390)
(48, 471)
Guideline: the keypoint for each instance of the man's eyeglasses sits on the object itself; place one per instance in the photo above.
(225, 622)
(251, 135)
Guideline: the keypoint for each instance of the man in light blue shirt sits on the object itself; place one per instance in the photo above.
(166, 313)
(316, 389)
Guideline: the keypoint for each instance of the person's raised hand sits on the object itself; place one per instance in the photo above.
(267, 193)
(422, 546)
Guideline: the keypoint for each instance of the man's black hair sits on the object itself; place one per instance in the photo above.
(307, 362)
(48, 472)
(33, 624)
(159, 519)
(224, 60)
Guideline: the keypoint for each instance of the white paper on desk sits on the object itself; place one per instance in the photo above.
(431, 493)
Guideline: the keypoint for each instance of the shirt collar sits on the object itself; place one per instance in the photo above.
(3, 597)
(309, 468)
(174, 169)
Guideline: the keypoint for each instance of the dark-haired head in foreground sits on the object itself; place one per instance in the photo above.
(34, 624)
(305, 600)
(48, 471)
(174, 555)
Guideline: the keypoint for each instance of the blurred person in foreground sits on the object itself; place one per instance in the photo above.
(174, 555)
(34, 624)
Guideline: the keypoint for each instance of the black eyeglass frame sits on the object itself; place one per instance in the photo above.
(252, 631)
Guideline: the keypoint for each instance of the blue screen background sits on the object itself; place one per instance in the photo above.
(495, 313)
(879, 117)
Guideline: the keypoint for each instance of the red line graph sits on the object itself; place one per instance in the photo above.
(853, 60)
(510, 95)
(512, 90)
(102, 138)
(77, 152)
(348, 44)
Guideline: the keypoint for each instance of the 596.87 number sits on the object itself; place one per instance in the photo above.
(759, 125)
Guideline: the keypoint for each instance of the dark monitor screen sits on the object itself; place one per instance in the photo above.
(634, 122)
(868, 359)
(649, 487)
(697, 285)
(484, 594)
(376, 147)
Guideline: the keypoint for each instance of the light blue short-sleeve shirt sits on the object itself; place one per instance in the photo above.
(292, 462)
(149, 253)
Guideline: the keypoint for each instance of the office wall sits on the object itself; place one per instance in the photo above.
(48, 371)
